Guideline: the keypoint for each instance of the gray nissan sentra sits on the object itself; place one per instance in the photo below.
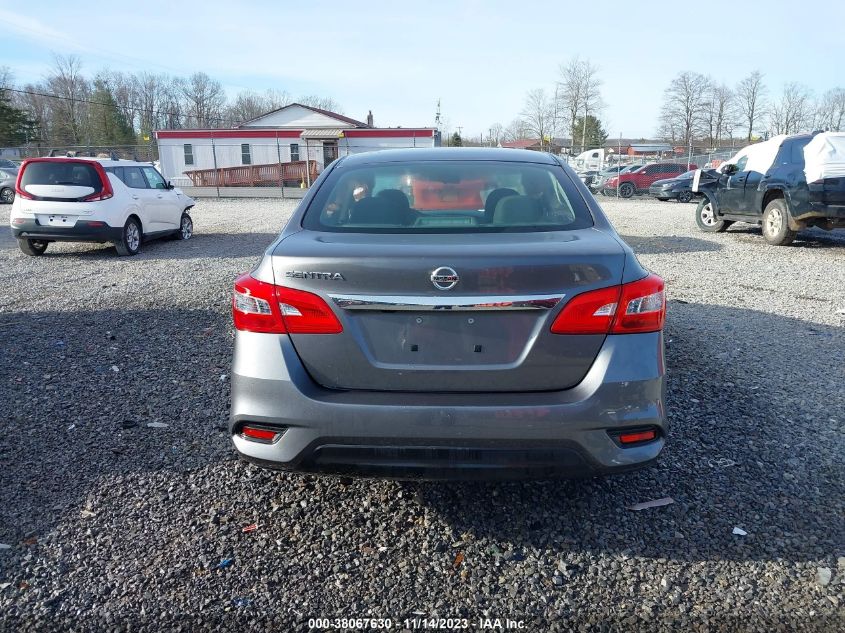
(449, 313)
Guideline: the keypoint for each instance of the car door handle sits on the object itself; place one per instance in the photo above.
(159, 196)
(134, 197)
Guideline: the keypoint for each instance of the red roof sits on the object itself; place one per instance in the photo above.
(522, 143)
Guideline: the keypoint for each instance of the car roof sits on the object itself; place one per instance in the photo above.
(449, 153)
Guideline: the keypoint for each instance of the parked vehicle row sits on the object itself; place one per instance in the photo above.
(597, 184)
(639, 179)
(93, 200)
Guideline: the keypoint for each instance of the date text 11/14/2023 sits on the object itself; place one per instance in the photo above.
(420, 623)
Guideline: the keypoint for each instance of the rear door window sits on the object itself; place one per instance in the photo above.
(447, 197)
(132, 177)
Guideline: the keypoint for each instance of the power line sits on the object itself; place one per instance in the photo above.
(116, 106)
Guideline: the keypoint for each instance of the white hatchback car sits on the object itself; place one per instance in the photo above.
(93, 200)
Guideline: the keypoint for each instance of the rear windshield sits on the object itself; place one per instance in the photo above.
(447, 197)
(77, 174)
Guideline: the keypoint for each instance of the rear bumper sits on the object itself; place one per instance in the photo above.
(82, 231)
(442, 435)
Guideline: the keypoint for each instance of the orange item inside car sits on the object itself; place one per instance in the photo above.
(432, 196)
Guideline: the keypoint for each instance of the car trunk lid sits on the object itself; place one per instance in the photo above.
(487, 330)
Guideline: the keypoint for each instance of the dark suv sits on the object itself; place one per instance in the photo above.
(768, 186)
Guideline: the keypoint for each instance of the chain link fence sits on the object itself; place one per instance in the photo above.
(146, 153)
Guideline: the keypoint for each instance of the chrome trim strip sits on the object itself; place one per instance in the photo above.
(395, 303)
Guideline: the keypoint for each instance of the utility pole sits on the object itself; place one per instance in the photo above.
(584, 129)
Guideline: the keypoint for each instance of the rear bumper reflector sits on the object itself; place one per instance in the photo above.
(636, 436)
(261, 434)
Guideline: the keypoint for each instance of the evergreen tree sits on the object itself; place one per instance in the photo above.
(108, 125)
(594, 136)
(16, 128)
(457, 141)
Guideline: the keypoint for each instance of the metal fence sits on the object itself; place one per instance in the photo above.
(147, 152)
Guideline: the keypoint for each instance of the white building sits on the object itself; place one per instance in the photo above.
(289, 134)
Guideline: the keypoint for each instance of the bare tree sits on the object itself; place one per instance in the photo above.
(831, 111)
(751, 100)
(147, 100)
(719, 110)
(172, 112)
(69, 111)
(516, 130)
(685, 105)
(323, 103)
(667, 128)
(7, 79)
(578, 93)
(250, 105)
(495, 134)
(247, 105)
(538, 115)
(204, 100)
(790, 113)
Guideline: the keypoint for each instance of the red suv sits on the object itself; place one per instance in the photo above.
(639, 179)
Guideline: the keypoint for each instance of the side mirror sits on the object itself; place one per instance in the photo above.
(729, 169)
(170, 185)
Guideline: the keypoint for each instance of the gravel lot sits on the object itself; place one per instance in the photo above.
(115, 525)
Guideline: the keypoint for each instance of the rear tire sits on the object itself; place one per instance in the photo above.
(33, 247)
(706, 219)
(776, 229)
(130, 242)
(626, 190)
(685, 196)
(186, 228)
(7, 195)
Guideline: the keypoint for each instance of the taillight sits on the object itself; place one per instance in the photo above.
(642, 307)
(639, 306)
(18, 191)
(106, 192)
(258, 306)
(588, 313)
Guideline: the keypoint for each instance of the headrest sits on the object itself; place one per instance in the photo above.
(518, 210)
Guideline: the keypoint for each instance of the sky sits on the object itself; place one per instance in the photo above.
(398, 58)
